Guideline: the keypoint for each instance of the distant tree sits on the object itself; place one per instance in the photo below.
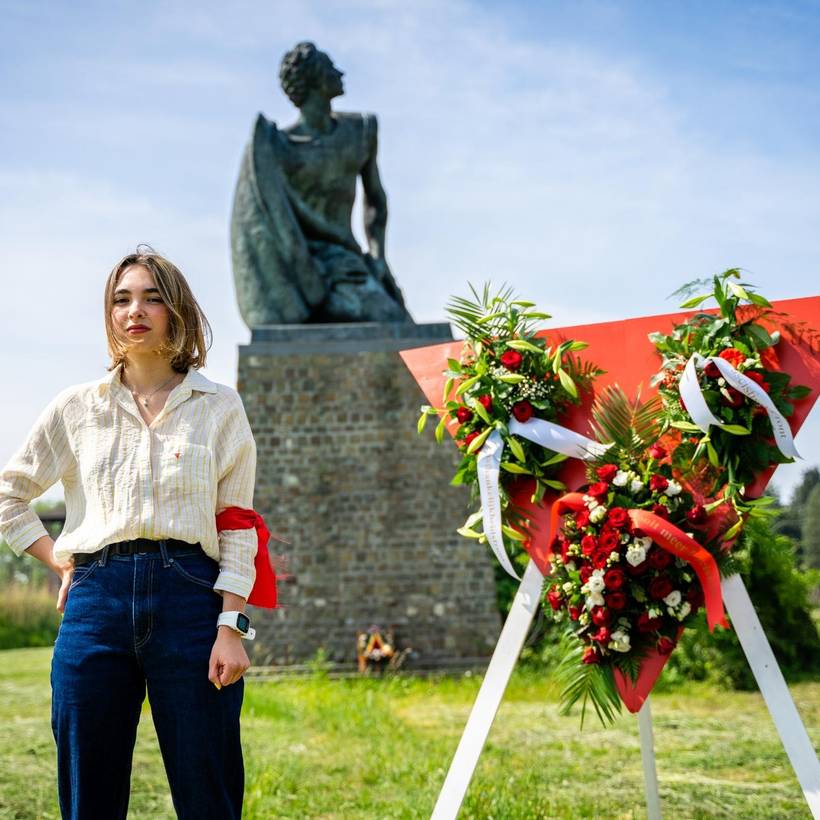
(791, 520)
(811, 529)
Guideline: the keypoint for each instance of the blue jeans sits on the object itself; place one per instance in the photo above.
(133, 622)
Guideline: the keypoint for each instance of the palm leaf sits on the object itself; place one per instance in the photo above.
(586, 683)
(632, 425)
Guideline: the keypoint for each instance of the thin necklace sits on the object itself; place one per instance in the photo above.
(146, 399)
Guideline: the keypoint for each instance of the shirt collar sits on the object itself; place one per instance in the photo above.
(194, 380)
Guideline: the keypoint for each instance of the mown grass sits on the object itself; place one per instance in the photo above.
(380, 749)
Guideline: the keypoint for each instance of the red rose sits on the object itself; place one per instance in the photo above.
(616, 600)
(647, 624)
(614, 578)
(733, 356)
(511, 359)
(659, 558)
(695, 596)
(608, 540)
(607, 472)
(734, 398)
(658, 483)
(600, 616)
(588, 545)
(657, 452)
(585, 573)
(661, 510)
(641, 569)
(464, 414)
(599, 559)
(582, 519)
(486, 402)
(758, 379)
(697, 515)
(555, 597)
(591, 655)
(711, 370)
(665, 645)
(465, 442)
(598, 490)
(618, 517)
(660, 587)
(575, 612)
(522, 410)
(602, 635)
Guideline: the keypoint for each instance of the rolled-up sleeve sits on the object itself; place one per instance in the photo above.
(237, 548)
(39, 464)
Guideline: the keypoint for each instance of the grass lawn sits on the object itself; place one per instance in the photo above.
(379, 749)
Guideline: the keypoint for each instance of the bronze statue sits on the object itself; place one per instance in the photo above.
(295, 259)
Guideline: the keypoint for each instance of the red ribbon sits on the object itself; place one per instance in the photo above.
(673, 540)
(263, 593)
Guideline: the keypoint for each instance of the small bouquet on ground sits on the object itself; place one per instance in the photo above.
(505, 392)
(633, 558)
(722, 387)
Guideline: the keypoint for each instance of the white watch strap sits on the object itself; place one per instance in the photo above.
(229, 619)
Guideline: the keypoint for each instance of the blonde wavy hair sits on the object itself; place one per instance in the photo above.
(189, 333)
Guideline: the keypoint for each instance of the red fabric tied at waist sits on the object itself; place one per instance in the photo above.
(673, 540)
(263, 593)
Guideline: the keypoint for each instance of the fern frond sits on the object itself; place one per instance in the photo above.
(632, 425)
(587, 683)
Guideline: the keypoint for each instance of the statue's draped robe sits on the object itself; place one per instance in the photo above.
(290, 249)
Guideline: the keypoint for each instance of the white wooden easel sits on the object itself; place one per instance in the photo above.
(747, 626)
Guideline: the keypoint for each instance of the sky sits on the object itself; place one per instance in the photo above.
(594, 155)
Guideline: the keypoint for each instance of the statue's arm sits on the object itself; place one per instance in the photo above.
(375, 198)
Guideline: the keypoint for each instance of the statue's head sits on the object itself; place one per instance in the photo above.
(305, 70)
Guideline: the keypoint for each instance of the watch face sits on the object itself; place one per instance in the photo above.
(243, 622)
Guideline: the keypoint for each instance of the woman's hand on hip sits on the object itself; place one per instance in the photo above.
(229, 661)
(66, 573)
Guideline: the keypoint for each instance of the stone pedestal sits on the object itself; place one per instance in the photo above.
(363, 500)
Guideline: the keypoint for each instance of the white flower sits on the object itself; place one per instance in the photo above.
(595, 599)
(684, 610)
(654, 612)
(570, 565)
(674, 488)
(635, 554)
(583, 618)
(614, 556)
(621, 478)
(619, 641)
(635, 486)
(596, 581)
(673, 598)
(590, 502)
(597, 514)
(624, 538)
(567, 587)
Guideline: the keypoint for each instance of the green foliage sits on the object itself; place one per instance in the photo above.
(631, 425)
(810, 529)
(27, 616)
(779, 592)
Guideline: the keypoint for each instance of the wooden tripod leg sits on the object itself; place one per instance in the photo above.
(774, 690)
(489, 696)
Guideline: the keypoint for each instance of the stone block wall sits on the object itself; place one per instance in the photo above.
(363, 500)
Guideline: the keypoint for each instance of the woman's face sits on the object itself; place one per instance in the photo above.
(138, 312)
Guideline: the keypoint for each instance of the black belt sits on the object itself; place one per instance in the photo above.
(131, 548)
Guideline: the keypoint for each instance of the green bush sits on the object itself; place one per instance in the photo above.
(27, 616)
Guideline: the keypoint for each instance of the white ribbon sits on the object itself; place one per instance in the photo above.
(703, 417)
(552, 437)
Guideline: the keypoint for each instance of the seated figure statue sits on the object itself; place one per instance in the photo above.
(295, 258)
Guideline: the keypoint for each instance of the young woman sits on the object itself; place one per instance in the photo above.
(153, 596)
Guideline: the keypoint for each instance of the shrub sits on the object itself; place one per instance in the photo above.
(27, 616)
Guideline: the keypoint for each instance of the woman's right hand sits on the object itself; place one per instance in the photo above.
(65, 572)
(43, 550)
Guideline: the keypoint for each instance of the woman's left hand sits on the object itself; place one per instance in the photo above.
(229, 661)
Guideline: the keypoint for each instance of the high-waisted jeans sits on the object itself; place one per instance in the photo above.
(131, 622)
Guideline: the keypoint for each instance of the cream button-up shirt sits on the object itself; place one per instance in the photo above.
(125, 479)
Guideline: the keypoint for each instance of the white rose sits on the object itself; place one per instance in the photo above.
(674, 488)
(597, 514)
(673, 598)
(595, 599)
(635, 486)
(596, 583)
(621, 478)
(619, 641)
(684, 610)
(645, 542)
(635, 555)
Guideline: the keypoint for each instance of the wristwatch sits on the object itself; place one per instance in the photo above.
(238, 622)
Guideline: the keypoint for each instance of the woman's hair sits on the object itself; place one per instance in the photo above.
(189, 333)
(298, 71)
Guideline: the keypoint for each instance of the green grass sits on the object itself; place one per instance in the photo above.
(380, 749)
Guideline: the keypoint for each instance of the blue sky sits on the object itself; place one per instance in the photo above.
(595, 155)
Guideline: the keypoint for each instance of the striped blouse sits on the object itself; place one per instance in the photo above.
(124, 479)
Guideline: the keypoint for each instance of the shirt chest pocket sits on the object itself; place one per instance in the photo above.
(186, 469)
